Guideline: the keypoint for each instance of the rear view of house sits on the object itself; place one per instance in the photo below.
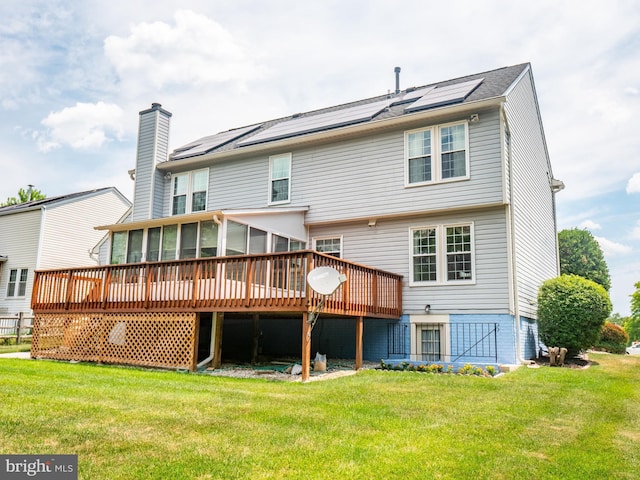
(435, 202)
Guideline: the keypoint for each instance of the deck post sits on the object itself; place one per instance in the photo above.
(218, 318)
(195, 342)
(256, 338)
(359, 330)
(306, 346)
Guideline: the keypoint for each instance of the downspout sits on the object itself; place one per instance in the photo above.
(214, 318)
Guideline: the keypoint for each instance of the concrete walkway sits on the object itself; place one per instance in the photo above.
(25, 355)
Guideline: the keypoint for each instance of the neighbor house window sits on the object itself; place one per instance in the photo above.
(330, 246)
(189, 192)
(17, 286)
(436, 154)
(442, 254)
(280, 178)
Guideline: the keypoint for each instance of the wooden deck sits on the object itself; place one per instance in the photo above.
(248, 283)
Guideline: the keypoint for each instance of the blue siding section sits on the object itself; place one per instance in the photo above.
(529, 340)
(505, 337)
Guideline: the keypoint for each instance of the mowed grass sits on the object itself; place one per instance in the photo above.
(127, 423)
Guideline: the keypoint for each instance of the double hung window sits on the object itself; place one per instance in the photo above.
(280, 178)
(17, 286)
(189, 192)
(330, 246)
(442, 254)
(437, 154)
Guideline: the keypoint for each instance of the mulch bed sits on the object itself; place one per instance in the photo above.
(575, 362)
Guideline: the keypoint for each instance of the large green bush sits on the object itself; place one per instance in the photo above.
(571, 312)
(612, 339)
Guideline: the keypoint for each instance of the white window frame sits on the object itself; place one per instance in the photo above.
(330, 237)
(190, 190)
(442, 255)
(436, 154)
(272, 179)
(15, 291)
(420, 322)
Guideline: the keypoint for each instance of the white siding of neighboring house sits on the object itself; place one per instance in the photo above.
(68, 233)
(387, 246)
(534, 227)
(19, 238)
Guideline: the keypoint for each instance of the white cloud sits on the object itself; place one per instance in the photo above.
(195, 51)
(84, 126)
(635, 232)
(611, 248)
(591, 225)
(633, 186)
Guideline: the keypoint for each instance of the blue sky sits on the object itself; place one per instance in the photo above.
(75, 74)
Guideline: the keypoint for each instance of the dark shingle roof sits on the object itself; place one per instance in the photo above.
(47, 201)
(494, 83)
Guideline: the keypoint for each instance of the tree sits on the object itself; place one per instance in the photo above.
(571, 312)
(24, 196)
(580, 254)
(613, 338)
(632, 323)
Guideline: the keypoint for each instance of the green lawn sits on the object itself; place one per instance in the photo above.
(123, 423)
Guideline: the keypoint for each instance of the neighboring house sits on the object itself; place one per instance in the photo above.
(436, 202)
(54, 232)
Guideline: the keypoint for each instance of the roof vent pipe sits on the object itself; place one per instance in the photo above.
(397, 70)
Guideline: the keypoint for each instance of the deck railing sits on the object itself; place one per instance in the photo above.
(264, 282)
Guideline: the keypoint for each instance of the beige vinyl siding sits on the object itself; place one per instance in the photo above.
(535, 237)
(19, 238)
(68, 232)
(387, 246)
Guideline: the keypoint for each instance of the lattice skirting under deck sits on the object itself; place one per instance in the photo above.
(165, 340)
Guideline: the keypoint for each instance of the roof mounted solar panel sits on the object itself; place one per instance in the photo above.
(444, 95)
(319, 122)
(206, 144)
(410, 96)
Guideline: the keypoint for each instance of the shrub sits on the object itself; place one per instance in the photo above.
(612, 338)
(571, 312)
